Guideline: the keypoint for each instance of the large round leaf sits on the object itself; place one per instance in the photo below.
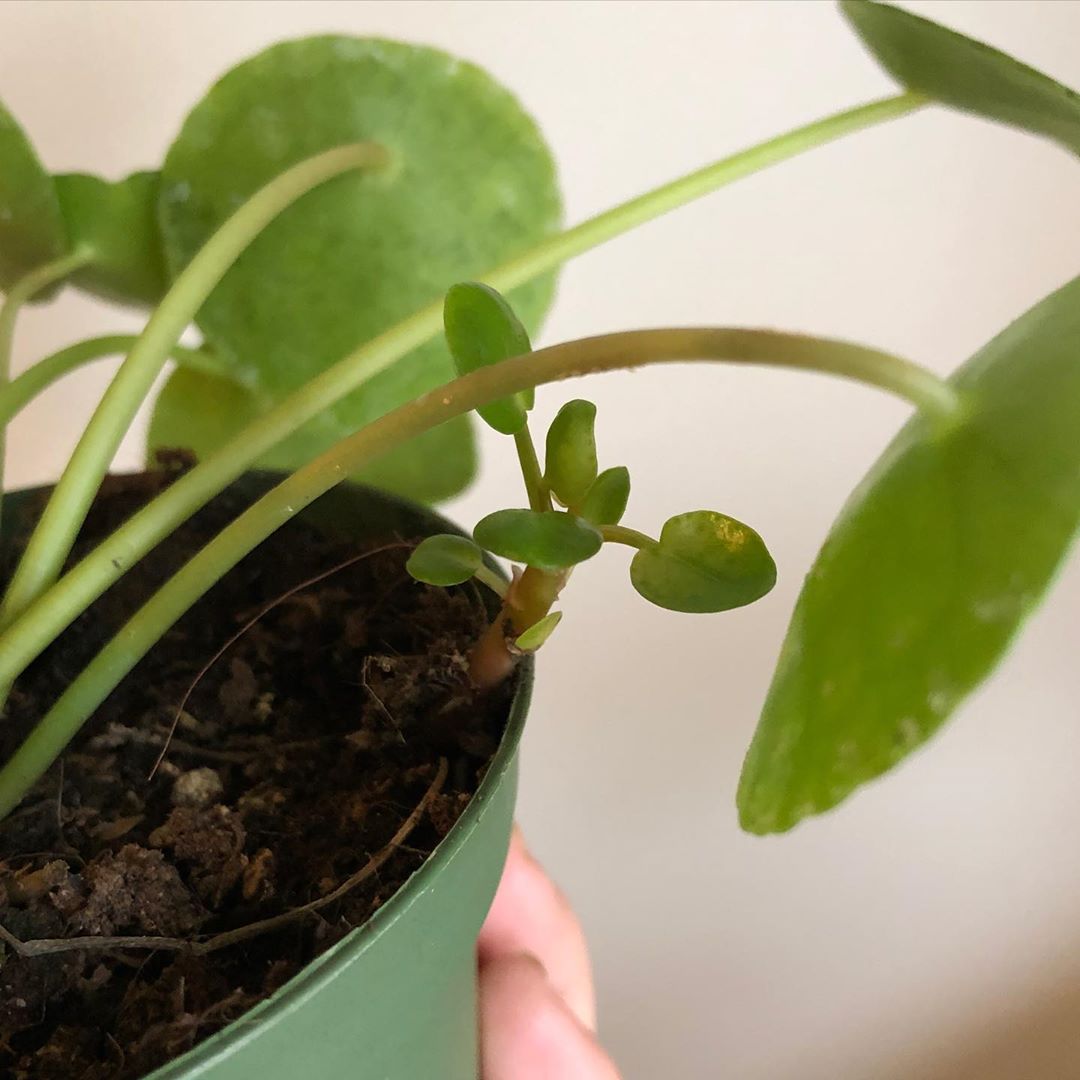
(939, 556)
(117, 223)
(470, 183)
(704, 562)
(32, 228)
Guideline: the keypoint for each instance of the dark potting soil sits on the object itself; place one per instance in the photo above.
(313, 768)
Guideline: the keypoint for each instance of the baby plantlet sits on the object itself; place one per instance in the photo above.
(703, 561)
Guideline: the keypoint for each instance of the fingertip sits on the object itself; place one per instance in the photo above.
(528, 1032)
(531, 915)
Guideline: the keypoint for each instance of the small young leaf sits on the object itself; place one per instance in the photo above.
(539, 632)
(570, 464)
(482, 329)
(118, 223)
(704, 562)
(548, 540)
(605, 501)
(943, 551)
(444, 560)
(964, 73)
(32, 228)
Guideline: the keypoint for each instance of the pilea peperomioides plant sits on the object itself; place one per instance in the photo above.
(276, 199)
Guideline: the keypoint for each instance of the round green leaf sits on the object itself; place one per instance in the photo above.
(482, 329)
(964, 73)
(548, 540)
(444, 560)
(32, 228)
(117, 222)
(704, 562)
(934, 564)
(470, 183)
(539, 632)
(570, 462)
(605, 501)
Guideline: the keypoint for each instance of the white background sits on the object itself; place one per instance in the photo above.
(941, 896)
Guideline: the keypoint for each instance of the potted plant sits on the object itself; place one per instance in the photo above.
(258, 783)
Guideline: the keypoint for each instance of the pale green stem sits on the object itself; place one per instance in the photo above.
(620, 534)
(24, 290)
(62, 518)
(486, 576)
(22, 390)
(58, 607)
(539, 499)
(625, 350)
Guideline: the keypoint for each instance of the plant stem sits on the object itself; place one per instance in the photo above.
(620, 534)
(24, 290)
(17, 394)
(606, 353)
(55, 533)
(539, 499)
(56, 609)
(486, 576)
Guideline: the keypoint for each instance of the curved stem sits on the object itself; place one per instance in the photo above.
(17, 394)
(63, 516)
(24, 290)
(620, 534)
(87, 581)
(606, 353)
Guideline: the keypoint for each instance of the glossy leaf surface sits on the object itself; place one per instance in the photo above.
(939, 556)
(570, 460)
(444, 560)
(482, 329)
(605, 501)
(537, 634)
(704, 562)
(548, 540)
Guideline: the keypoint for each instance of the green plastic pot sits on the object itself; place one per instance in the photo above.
(396, 999)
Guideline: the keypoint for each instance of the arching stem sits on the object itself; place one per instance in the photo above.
(62, 518)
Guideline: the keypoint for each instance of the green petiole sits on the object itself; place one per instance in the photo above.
(18, 393)
(589, 355)
(62, 518)
(22, 292)
(620, 534)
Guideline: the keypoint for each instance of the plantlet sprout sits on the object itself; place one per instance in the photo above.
(703, 561)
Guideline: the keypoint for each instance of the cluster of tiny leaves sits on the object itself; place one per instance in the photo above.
(703, 561)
